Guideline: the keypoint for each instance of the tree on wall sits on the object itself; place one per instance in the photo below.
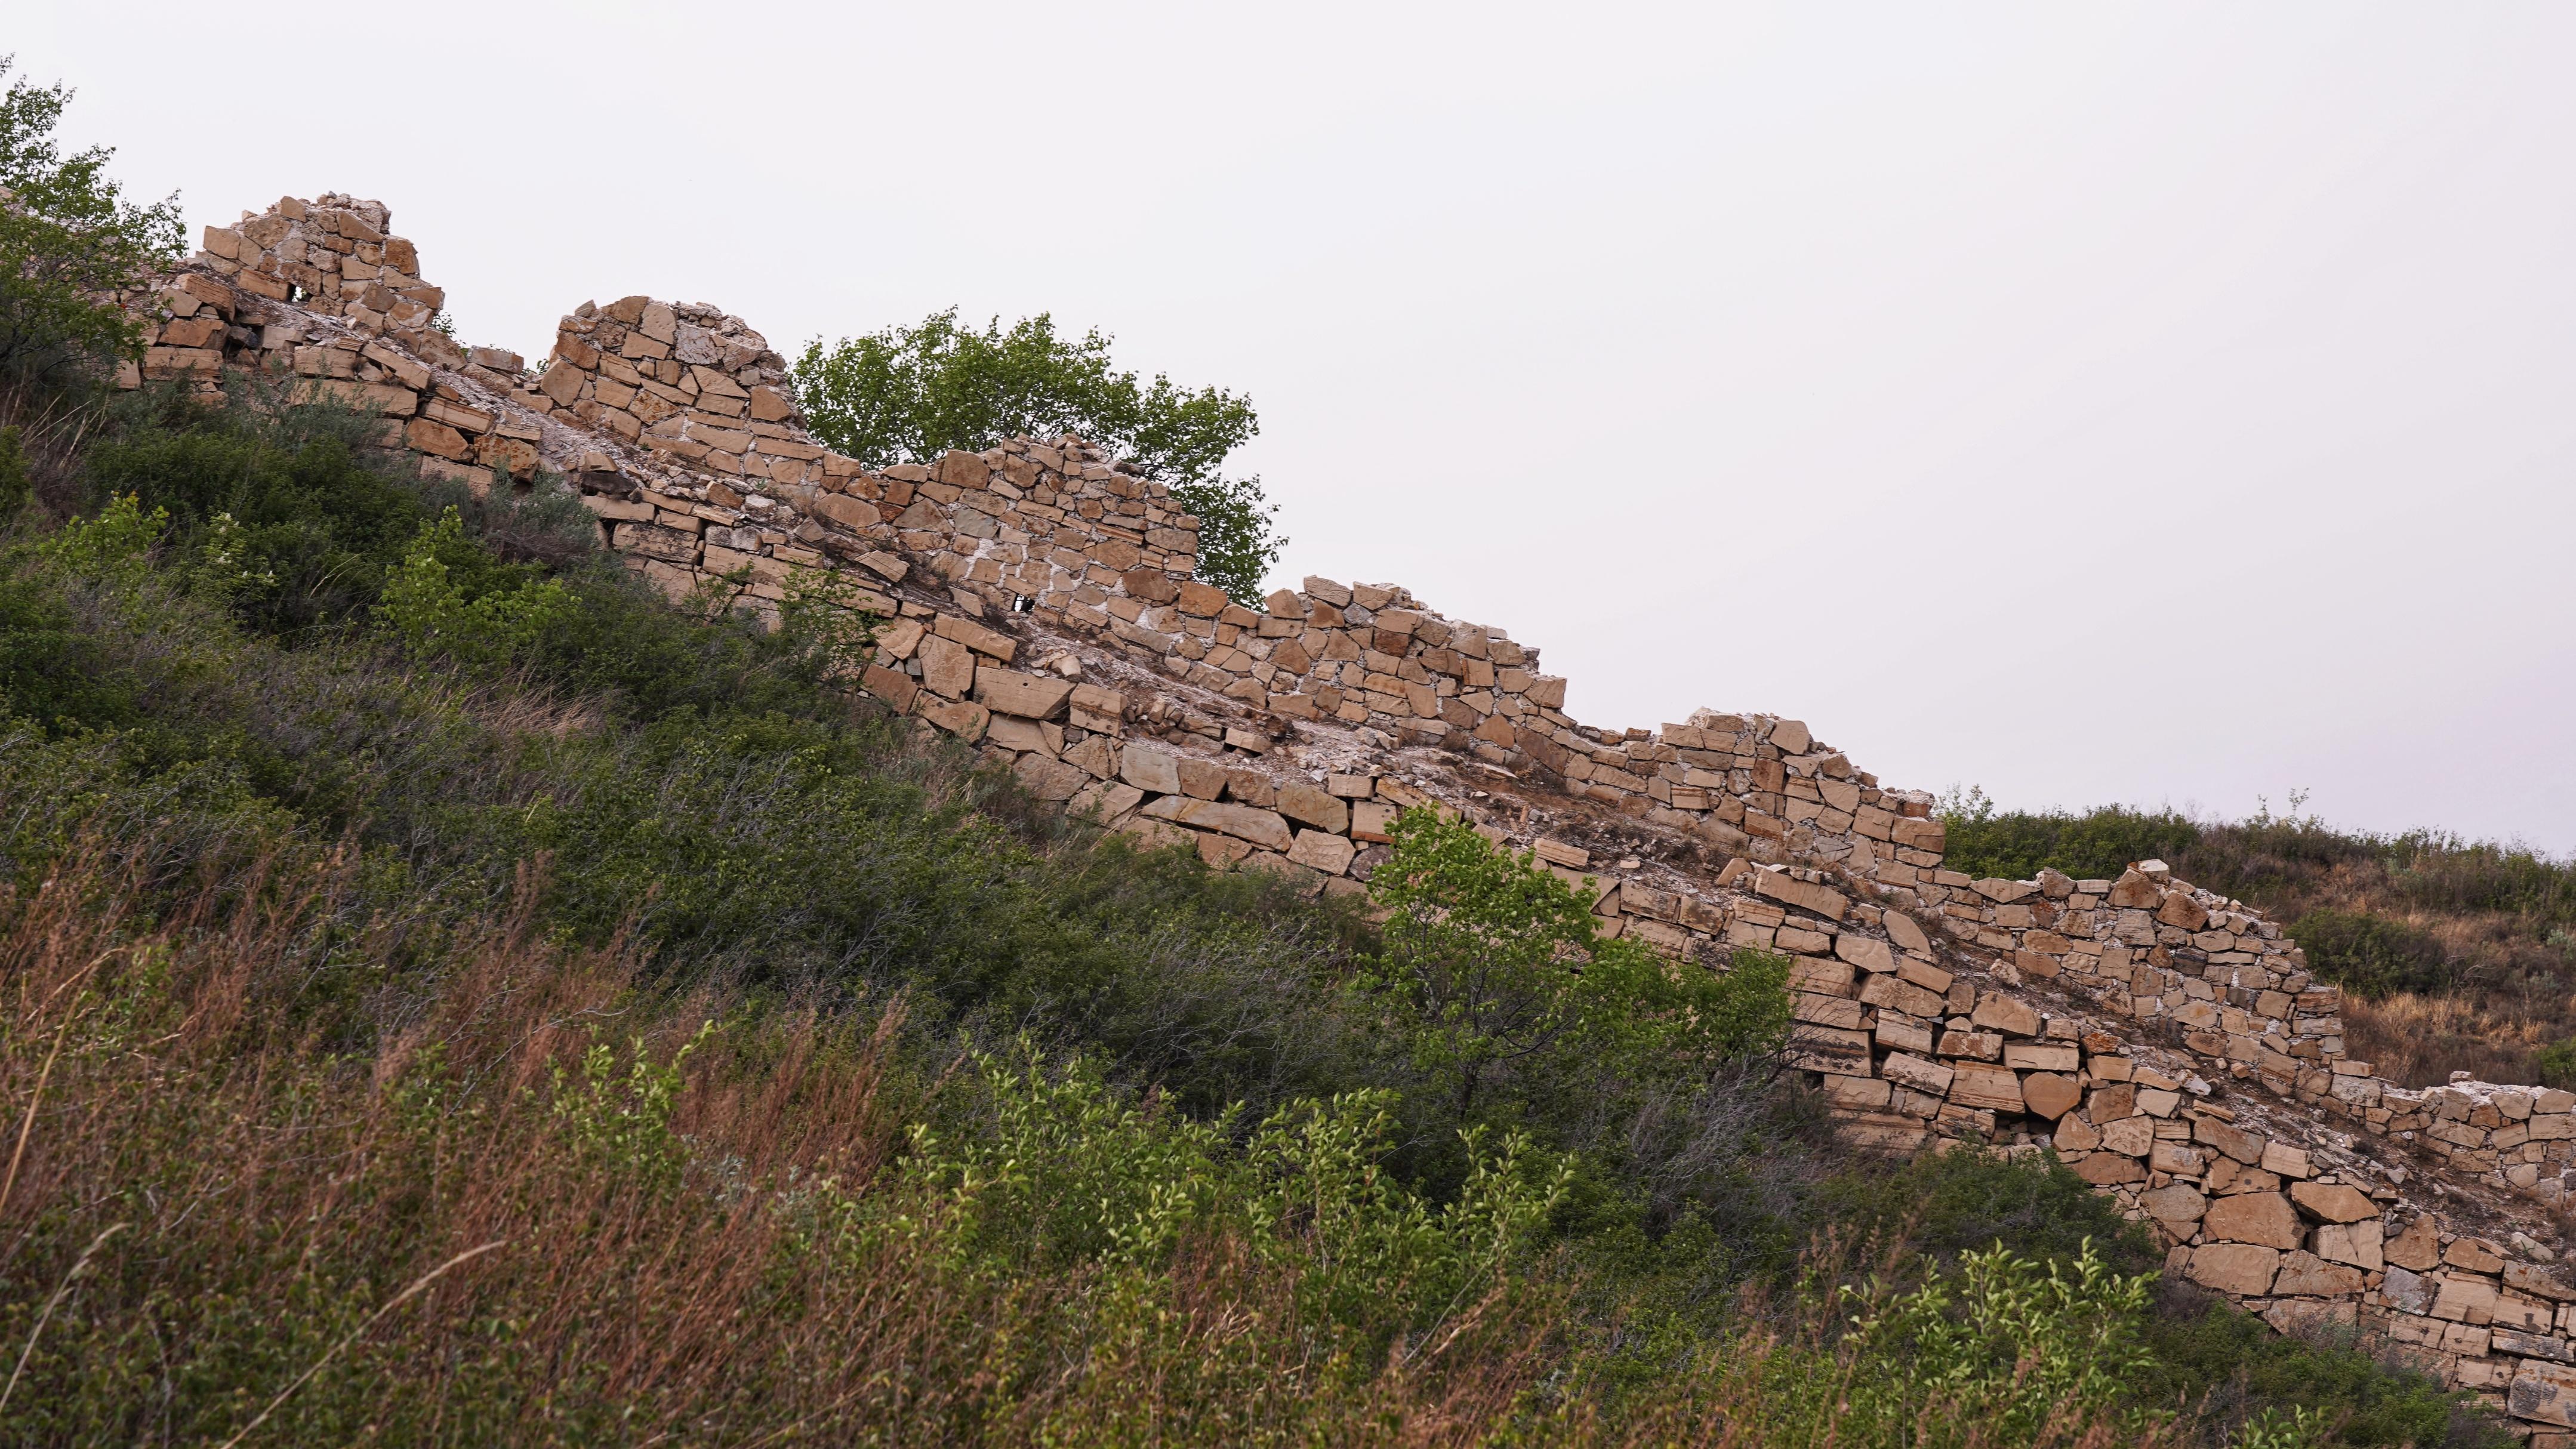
(908, 394)
(67, 237)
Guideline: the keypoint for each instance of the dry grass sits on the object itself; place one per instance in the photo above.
(2418, 1041)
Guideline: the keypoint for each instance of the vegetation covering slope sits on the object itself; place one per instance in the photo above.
(2456, 955)
(449, 994)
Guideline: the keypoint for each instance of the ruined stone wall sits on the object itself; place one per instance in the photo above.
(2167, 1043)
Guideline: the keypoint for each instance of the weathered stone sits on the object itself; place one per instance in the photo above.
(964, 720)
(1150, 768)
(2177, 1205)
(2005, 1014)
(1322, 851)
(2129, 1136)
(2418, 1245)
(2308, 1274)
(2050, 1095)
(975, 636)
(1263, 828)
(1029, 696)
(1864, 952)
(2332, 1202)
(2233, 1140)
(947, 667)
(1834, 1050)
(2135, 891)
(1908, 1070)
(1049, 779)
(2239, 1268)
(2108, 1169)
(1822, 900)
(2255, 1217)
(2475, 1255)
(1994, 1088)
(1308, 805)
(1908, 936)
(2356, 1243)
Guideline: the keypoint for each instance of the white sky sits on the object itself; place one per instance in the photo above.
(2160, 403)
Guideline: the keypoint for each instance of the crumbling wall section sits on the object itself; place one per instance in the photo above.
(2168, 1043)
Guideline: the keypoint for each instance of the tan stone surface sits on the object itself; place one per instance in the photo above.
(2255, 1217)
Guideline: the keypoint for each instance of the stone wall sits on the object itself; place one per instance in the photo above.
(2168, 1043)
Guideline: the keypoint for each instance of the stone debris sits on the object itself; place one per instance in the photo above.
(2169, 1044)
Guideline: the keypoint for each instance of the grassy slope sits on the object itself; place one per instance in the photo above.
(634, 1034)
(2459, 955)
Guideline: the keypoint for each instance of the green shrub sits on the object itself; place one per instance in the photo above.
(1509, 1006)
(2094, 845)
(2372, 956)
(1948, 1204)
(2204, 1351)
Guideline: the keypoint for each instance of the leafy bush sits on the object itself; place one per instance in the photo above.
(424, 606)
(909, 394)
(1949, 1204)
(1505, 1000)
(2204, 1350)
(1995, 1352)
(2372, 956)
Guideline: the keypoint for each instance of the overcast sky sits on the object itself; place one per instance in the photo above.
(2164, 404)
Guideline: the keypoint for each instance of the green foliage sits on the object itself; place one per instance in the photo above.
(822, 612)
(1502, 989)
(909, 394)
(1949, 1204)
(425, 607)
(67, 238)
(2557, 1063)
(1062, 1170)
(111, 548)
(1994, 1352)
(2370, 955)
(2203, 1350)
(15, 485)
(308, 530)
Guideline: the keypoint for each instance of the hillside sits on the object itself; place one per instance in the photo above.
(546, 904)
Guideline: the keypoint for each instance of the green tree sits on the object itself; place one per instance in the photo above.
(67, 238)
(909, 394)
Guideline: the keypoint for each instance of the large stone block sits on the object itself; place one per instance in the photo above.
(2256, 1217)
(1992, 1088)
(2358, 1244)
(1322, 851)
(2308, 1274)
(1823, 900)
(947, 667)
(1150, 768)
(1030, 696)
(2333, 1202)
(1321, 809)
(2244, 1269)
(1263, 828)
